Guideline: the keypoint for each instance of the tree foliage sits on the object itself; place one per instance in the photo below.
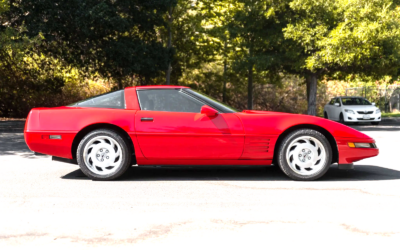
(26, 78)
(234, 50)
(336, 38)
(114, 38)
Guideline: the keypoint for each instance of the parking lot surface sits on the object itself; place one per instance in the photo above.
(53, 205)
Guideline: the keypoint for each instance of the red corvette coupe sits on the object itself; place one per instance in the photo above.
(175, 125)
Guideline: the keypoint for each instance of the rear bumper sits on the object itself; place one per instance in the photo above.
(40, 142)
(348, 155)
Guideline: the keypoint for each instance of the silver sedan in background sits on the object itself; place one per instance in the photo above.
(350, 109)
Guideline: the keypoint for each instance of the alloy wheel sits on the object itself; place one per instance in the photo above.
(103, 155)
(306, 155)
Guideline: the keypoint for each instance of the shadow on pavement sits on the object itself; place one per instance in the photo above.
(12, 140)
(12, 126)
(14, 144)
(361, 173)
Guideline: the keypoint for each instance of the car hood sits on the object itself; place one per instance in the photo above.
(275, 123)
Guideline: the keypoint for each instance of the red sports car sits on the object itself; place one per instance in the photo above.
(175, 125)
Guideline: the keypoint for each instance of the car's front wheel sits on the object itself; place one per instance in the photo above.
(341, 119)
(103, 155)
(305, 155)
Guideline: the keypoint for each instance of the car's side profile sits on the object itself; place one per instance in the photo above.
(352, 109)
(174, 125)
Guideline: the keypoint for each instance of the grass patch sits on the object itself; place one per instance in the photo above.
(390, 114)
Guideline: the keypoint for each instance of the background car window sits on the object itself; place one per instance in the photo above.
(337, 101)
(332, 101)
(171, 100)
(110, 100)
(355, 101)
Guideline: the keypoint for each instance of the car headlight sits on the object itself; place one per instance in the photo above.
(378, 111)
(361, 145)
(349, 111)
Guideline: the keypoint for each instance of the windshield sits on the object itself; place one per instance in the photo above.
(355, 101)
(223, 108)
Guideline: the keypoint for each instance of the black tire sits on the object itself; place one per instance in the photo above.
(326, 115)
(124, 148)
(283, 148)
(375, 123)
(341, 119)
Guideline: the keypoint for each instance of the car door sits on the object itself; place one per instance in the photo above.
(328, 108)
(336, 110)
(170, 126)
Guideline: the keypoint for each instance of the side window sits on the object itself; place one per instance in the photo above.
(171, 100)
(114, 100)
(338, 101)
(332, 101)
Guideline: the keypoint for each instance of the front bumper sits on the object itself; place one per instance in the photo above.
(361, 117)
(348, 155)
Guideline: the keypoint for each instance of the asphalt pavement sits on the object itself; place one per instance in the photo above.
(52, 205)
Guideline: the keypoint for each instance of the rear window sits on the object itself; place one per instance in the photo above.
(114, 100)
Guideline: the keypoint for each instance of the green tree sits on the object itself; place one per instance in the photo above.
(182, 34)
(257, 29)
(26, 79)
(216, 17)
(114, 38)
(335, 38)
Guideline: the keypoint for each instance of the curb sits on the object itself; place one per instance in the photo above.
(391, 119)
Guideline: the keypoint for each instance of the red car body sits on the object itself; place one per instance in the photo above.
(173, 138)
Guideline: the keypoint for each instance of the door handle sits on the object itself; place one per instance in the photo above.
(146, 119)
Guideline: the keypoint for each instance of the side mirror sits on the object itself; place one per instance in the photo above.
(374, 104)
(208, 111)
(337, 104)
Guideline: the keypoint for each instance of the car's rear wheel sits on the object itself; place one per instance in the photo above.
(103, 155)
(305, 155)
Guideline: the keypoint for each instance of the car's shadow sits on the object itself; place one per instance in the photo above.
(360, 173)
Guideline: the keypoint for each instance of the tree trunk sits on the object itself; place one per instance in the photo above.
(225, 68)
(119, 81)
(142, 81)
(132, 79)
(312, 94)
(224, 87)
(250, 89)
(169, 46)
